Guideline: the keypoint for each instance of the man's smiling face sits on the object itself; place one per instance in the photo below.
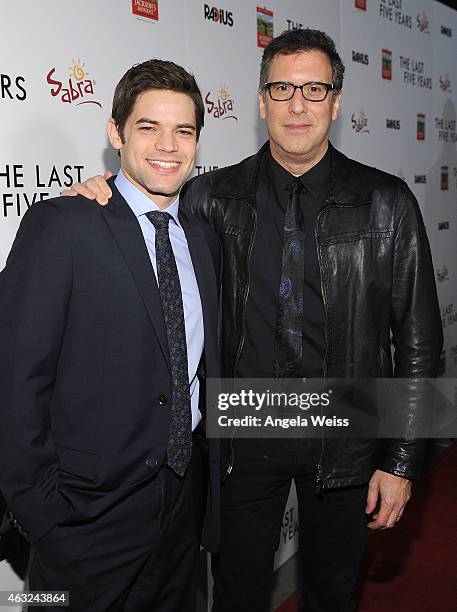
(158, 143)
(298, 128)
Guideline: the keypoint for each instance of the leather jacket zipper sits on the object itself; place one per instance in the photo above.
(319, 467)
(241, 343)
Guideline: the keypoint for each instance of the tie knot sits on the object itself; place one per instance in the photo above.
(159, 219)
(294, 186)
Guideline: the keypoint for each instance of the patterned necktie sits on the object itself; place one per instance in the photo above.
(179, 449)
(289, 323)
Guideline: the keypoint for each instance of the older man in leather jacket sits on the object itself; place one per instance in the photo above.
(375, 279)
(368, 277)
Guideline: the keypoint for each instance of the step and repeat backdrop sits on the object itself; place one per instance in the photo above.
(60, 62)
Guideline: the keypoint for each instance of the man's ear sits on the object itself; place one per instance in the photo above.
(113, 135)
(336, 105)
(262, 103)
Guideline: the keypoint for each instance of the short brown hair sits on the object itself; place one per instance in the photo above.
(154, 74)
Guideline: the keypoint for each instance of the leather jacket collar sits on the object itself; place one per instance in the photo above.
(239, 182)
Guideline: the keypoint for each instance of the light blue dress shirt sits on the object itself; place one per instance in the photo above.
(193, 316)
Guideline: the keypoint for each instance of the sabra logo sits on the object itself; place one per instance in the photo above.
(442, 274)
(218, 15)
(422, 23)
(445, 82)
(361, 4)
(77, 90)
(360, 123)
(223, 107)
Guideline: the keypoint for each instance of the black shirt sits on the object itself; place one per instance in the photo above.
(290, 456)
(256, 360)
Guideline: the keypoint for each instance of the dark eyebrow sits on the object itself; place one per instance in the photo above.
(146, 120)
(188, 126)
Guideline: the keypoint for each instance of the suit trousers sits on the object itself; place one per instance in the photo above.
(332, 536)
(140, 556)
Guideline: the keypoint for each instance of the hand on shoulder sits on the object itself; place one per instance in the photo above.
(95, 188)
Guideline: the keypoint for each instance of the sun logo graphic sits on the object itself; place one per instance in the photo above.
(78, 89)
(224, 106)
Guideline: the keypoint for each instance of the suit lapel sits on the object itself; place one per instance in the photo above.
(129, 238)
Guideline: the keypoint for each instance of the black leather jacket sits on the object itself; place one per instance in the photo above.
(376, 276)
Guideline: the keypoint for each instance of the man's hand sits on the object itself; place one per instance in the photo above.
(95, 188)
(394, 493)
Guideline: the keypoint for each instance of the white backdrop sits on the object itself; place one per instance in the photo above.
(60, 61)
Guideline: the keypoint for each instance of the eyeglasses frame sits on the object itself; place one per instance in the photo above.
(329, 87)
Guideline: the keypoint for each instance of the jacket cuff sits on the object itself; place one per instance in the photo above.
(401, 466)
(33, 519)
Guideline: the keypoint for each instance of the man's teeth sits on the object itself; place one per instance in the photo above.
(164, 164)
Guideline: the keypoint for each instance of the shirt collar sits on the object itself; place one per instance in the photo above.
(314, 179)
(139, 202)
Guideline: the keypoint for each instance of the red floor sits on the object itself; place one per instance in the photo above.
(413, 567)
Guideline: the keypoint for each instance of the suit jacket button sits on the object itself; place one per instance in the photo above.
(151, 463)
(162, 399)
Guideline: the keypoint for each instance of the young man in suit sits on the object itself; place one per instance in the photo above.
(107, 315)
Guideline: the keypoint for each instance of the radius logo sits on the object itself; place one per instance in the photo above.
(77, 89)
(223, 107)
(218, 15)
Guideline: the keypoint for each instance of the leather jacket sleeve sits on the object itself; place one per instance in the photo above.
(416, 331)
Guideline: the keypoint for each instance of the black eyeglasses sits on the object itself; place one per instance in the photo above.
(313, 91)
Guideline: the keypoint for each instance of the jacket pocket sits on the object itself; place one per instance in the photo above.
(356, 236)
(77, 462)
